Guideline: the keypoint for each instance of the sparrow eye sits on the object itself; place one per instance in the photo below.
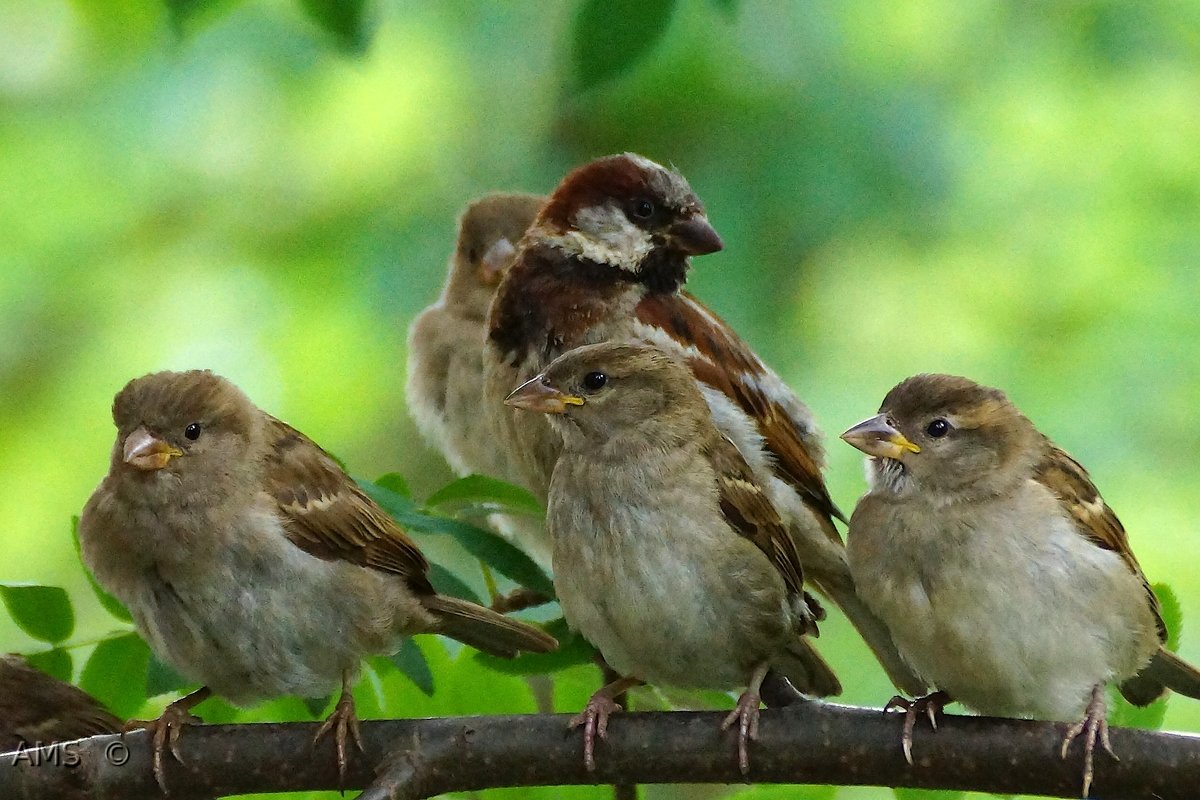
(938, 428)
(193, 431)
(643, 209)
(594, 381)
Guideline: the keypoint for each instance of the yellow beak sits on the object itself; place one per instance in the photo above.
(537, 395)
(146, 451)
(877, 437)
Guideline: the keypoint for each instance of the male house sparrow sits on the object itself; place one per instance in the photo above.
(251, 562)
(668, 555)
(606, 260)
(445, 352)
(1007, 581)
(36, 709)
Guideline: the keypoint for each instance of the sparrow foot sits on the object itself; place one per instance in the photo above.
(1093, 726)
(931, 705)
(594, 717)
(166, 729)
(344, 724)
(745, 713)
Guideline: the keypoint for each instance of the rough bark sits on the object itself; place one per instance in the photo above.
(815, 743)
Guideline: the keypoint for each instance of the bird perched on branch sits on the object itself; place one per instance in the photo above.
(1007, 581)
(606, 260)
(668, 555)
(251, 562)
(445, 353)
(36, 709)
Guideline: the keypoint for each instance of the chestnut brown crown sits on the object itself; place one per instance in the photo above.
(629, 203)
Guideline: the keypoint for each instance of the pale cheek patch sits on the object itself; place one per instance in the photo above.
(605, 235)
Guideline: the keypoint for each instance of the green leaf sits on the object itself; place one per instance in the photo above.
(111, 604)
(56, 662)
(446, 582)
(394, 482)
(344, 20)
(925, 794)
(411, 661)
(188, 15)
(115, 674)
(728, 8)
(399, 505)
(611, 36)
(1172, 613)
(489, 493)
(490, 548)
(163, 679)
(316, 705)
(43, 612)
(572, 649)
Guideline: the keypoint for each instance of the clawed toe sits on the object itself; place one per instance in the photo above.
(344, 724)
(164, 731)
(931, 704)
(1093, 726)
(746, 715)
(594, 719)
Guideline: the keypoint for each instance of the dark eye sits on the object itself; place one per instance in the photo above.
(192, 431)
(594, 381)
(938, 428)
(643, 209)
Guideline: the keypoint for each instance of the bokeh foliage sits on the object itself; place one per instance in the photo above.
(268, 187)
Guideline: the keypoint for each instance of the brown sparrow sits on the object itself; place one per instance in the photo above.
(251, 562)
(1006, 580)
(445, 353)
(606, 260)
(668, 555)
(36, 709)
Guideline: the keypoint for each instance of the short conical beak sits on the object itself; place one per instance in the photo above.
(537, 395)
(695, 236)
(146, 451)
(877, 437)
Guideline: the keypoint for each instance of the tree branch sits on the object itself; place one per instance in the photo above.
(818, 743)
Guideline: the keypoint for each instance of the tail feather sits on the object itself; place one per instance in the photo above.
(1165, 671)
(486, 630)
(807, 670)
(874, 633)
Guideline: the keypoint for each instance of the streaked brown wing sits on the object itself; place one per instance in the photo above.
(719, 358)
(328, 516)
(749, 511)
(1067, 478)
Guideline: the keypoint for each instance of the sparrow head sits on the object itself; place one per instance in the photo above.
(189, 425)
(628, 212)
(948, 436)
(611, 392)
(488, 232)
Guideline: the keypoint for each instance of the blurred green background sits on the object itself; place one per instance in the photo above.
(1008, 191)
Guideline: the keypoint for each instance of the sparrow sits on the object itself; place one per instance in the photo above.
(251, 562)
(606, 260)
(36, 709)
(445, 353)
(1007, 581)
(669, 556)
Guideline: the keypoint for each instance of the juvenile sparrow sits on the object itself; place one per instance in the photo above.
(36, 709)
(445, 353)
(445, 341)
(1008, 583)
(606, 260)
(251, 562)
(668, 555)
